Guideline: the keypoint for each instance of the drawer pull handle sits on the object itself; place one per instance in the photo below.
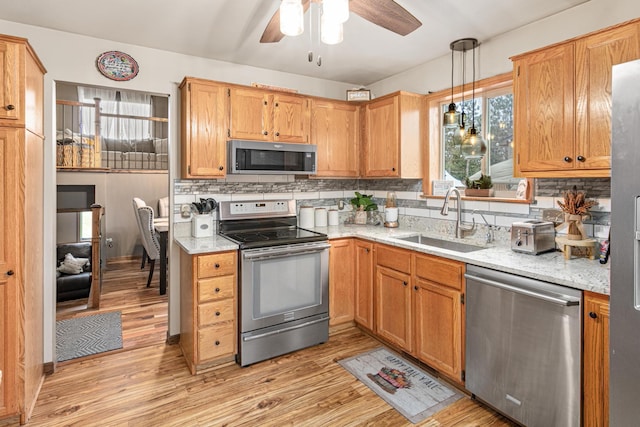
(581, 158)
(11, 107)
(220, 168)
(217, 313)
(567, 159)
(415, 287)
(217, 342)
(217, 290)
(216, 265)
(593, 315)
(10, 273)
(404, 283)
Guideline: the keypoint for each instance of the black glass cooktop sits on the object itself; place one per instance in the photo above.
(263, 237)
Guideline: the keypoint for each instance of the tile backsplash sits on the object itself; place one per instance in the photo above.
(414, 210)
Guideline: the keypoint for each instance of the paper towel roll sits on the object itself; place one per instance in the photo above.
(333, 217)
(321, 217)
(305, 218)
(391, 214)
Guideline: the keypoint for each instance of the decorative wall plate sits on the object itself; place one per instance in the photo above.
(116, 65)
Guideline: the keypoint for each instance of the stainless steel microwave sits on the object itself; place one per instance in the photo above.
(254, 157)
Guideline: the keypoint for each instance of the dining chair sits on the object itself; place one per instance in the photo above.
(150, 244)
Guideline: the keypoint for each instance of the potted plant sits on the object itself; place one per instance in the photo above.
(362, 204)
(481, 187)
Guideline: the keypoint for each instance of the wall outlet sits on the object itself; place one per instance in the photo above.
(185, 211)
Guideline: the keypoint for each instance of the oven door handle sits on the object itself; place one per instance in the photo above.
(281, 330)
(259, 254)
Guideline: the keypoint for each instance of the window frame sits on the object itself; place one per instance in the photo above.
(434, 157)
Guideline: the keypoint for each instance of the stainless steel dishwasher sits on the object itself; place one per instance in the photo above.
(523, 347)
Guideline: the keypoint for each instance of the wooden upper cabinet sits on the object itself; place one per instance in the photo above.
(595, 56)
(335, 129)
(562, 111)
(11, 93)
(203, 128)
(260, 115)
(394, 132)
(544, 109)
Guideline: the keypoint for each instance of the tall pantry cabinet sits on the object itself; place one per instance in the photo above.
(21, 228)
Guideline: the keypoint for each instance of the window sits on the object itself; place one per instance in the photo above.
(493, 118)
(85, 226)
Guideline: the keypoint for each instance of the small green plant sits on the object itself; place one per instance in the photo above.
(364, 201)
(483, 182)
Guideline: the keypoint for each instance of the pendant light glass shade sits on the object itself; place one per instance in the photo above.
(291, 17)
(330, 31)
(473, 145)
(451, 118)
(336, 10)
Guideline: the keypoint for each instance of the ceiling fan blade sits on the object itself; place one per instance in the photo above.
(272, 32)
(387, 14)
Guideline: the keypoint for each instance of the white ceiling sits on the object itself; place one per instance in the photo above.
(230, 30)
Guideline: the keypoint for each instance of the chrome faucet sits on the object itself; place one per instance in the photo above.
(489, 235)
(445, 211)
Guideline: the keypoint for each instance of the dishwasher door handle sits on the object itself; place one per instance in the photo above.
(535, 294)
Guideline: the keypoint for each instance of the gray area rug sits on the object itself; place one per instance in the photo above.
(407, 388)
(83, 336)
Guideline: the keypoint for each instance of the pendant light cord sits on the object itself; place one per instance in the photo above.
(473, 91)
(452, 74)
(464, 69)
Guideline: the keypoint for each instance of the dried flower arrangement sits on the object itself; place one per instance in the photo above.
(576, 202)
(576, 208)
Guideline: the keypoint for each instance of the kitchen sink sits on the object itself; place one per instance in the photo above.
(442, 244)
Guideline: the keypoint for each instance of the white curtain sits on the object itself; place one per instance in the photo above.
(113, 101)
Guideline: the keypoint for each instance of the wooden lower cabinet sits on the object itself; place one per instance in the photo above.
(208, 309)
(363, 315)
(419, 302)
(595, 356)
(393, 296)
(341, 282)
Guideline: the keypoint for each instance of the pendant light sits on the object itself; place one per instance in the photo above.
(331, 32)
(337, 11)
(473, 145)
(291, 17)
(451, 117)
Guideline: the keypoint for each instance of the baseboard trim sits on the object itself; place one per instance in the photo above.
(173, 339)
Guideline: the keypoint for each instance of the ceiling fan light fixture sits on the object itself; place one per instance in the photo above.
(331, 32)
(336, 10)
(291, 17)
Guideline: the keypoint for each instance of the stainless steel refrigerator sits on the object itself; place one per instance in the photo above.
(624, 401)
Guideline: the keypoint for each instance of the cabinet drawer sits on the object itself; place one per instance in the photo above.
(396, 259)
(216, 264)
(216, 341)
(215, 312)
(216, 288)
(440, 270)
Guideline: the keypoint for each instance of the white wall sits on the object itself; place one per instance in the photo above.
(71, 58)
(492, 56)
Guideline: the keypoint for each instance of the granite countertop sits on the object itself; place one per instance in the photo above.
(579, 273)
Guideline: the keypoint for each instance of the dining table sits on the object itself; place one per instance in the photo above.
(161, 226)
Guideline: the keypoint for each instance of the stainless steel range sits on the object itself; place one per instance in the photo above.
(283, 278)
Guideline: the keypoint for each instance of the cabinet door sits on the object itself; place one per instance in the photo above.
(382, 138)
(364, 284)
(335, 127)
(291, 117)
(596, 360)
(9, 143)
(595, 55)
(250, 114)
(438, 327)
(10, 99)
(204, 127)
(341, 281)
(544, 110)
(393, 307)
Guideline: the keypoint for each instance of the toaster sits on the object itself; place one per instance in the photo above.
(533, 236)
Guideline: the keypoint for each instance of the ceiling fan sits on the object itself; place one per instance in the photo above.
(384, 13)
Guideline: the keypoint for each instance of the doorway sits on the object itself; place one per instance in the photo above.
(116, 142)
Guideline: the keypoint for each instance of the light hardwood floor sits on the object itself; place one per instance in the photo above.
(150, 385)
